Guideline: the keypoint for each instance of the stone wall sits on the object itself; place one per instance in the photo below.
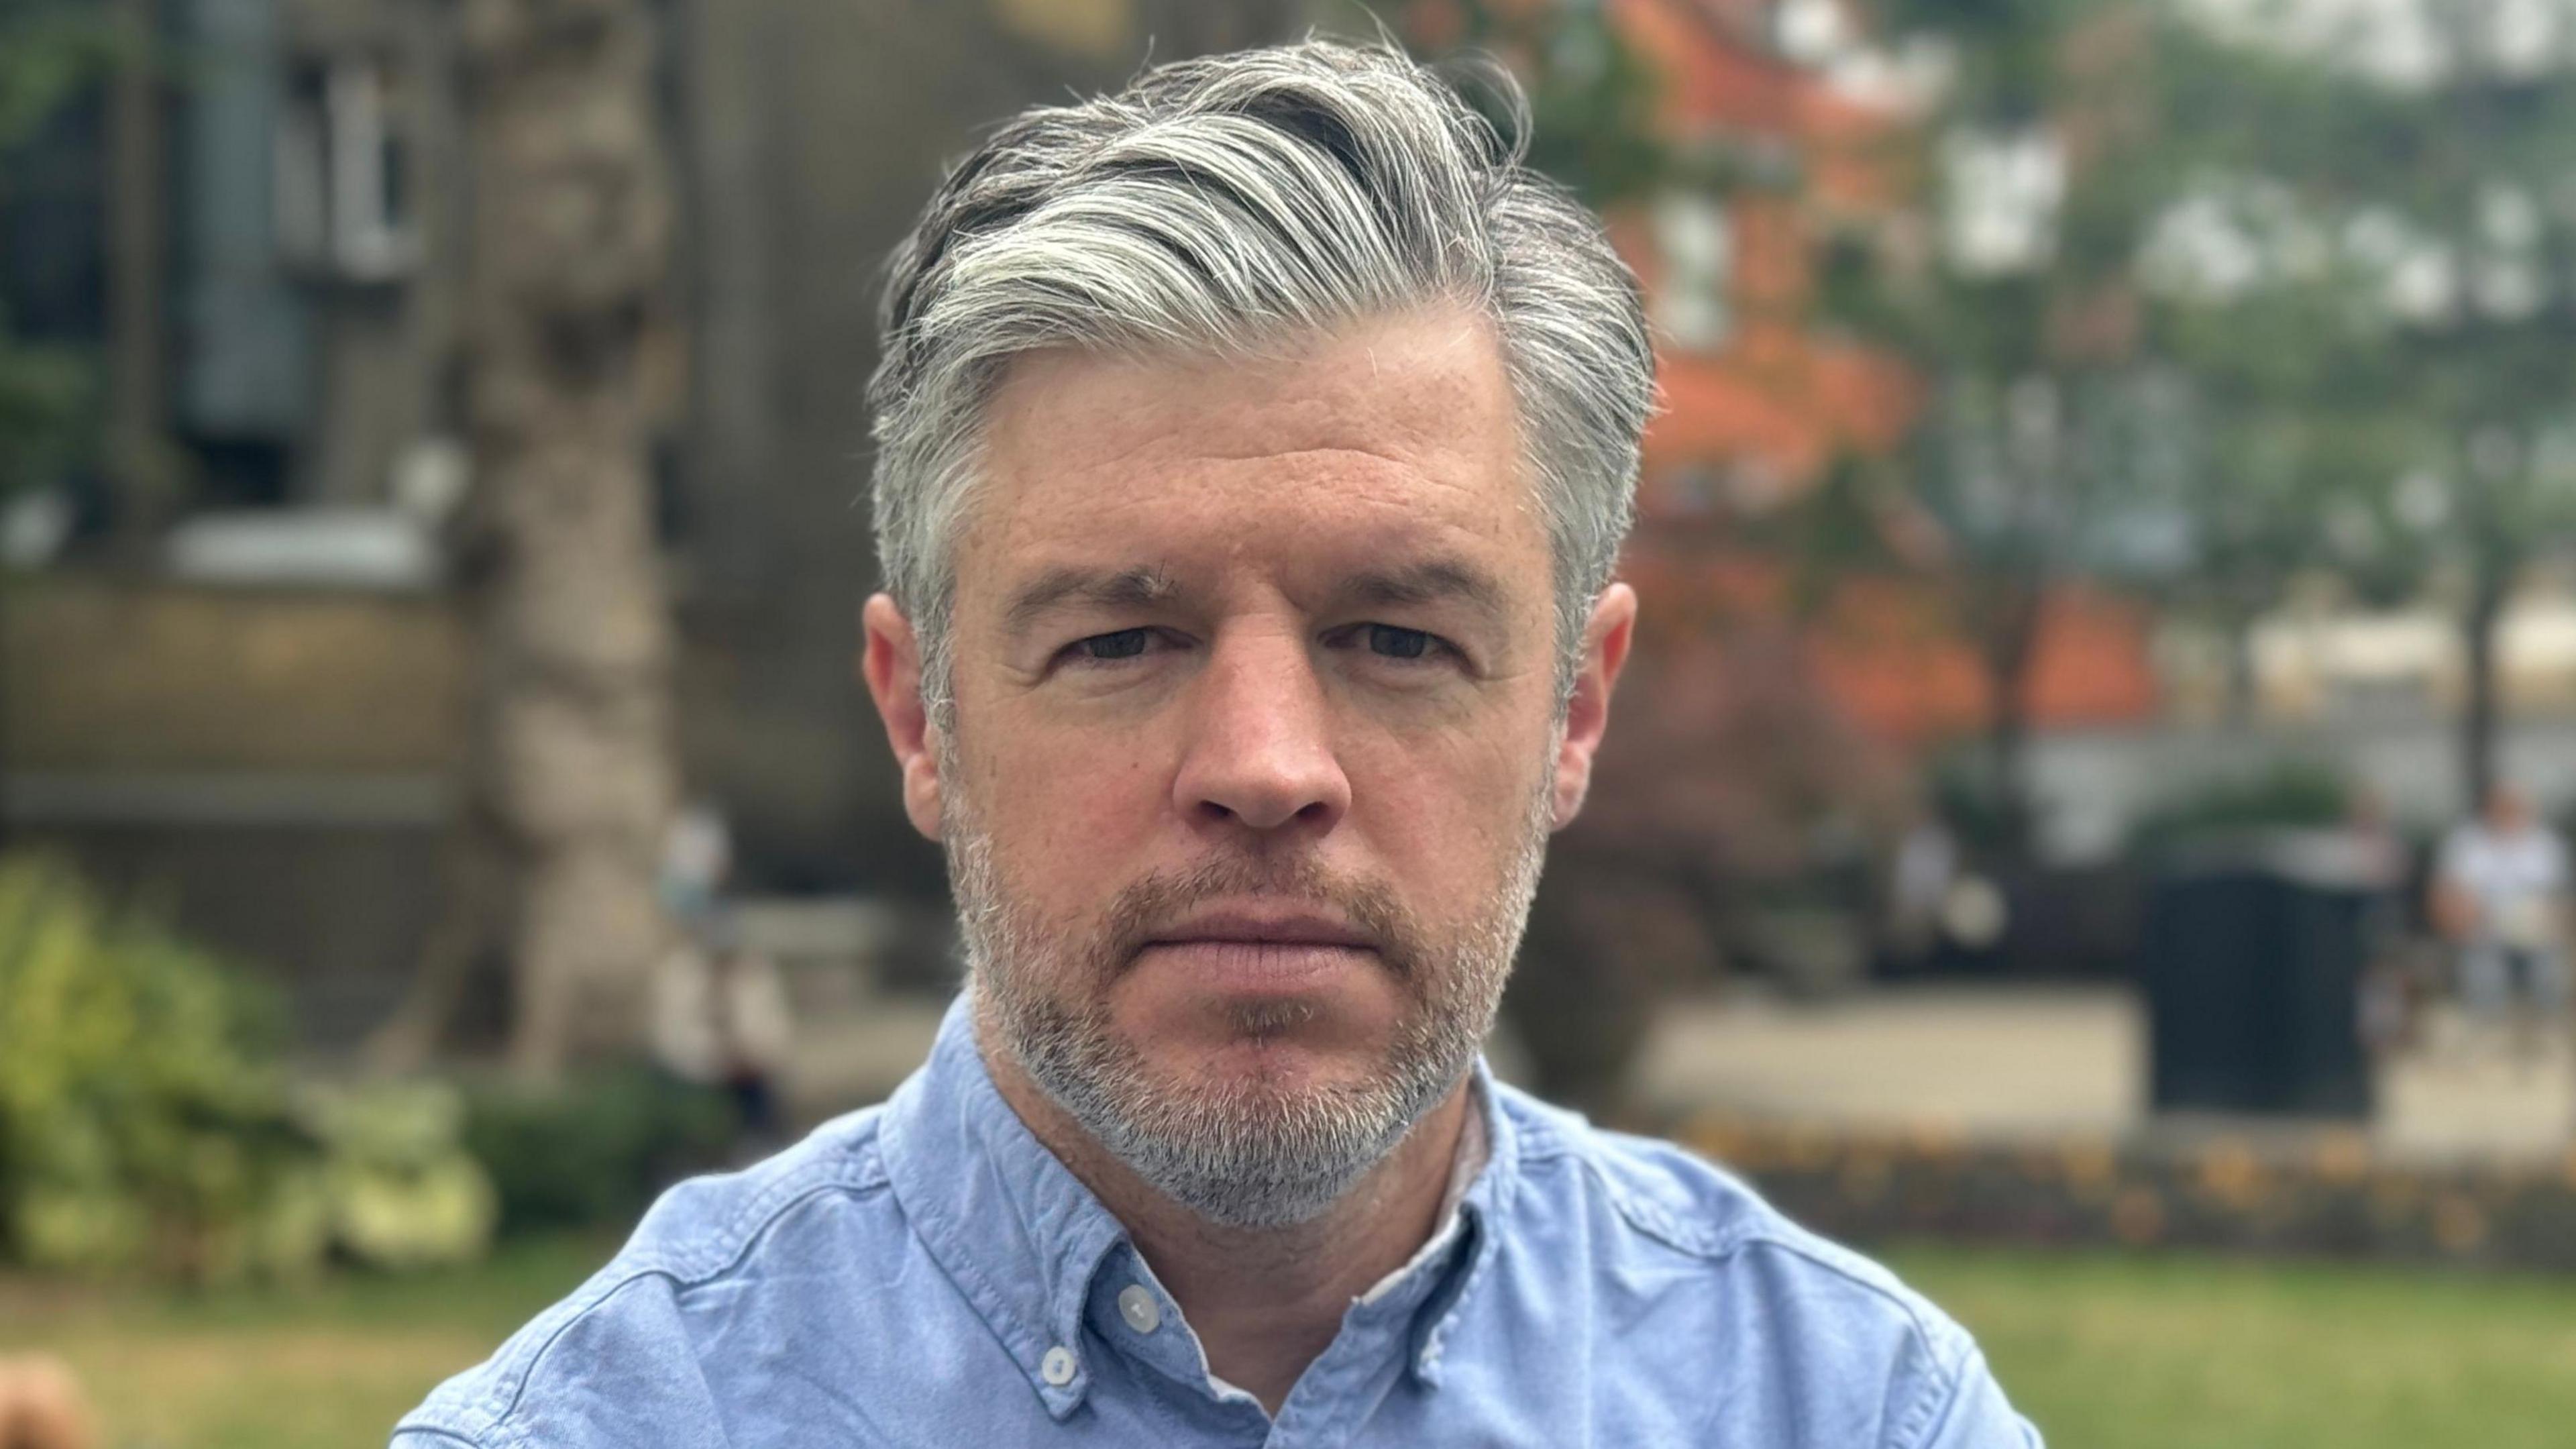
(108, 674)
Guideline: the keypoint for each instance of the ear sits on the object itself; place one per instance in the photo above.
(890, 660)
(1587, 714)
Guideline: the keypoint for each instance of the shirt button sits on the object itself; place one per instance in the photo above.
(1137, 1306)
(1057, 1367)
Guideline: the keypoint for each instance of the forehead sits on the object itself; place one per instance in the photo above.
(1391, 436)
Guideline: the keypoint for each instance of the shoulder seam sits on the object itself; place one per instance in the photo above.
(1649, 1217)
(680, 1282)
(1544, 1138)
(858, 1171)
(1765, 1228)
(1912, 1308)
(858, 1167)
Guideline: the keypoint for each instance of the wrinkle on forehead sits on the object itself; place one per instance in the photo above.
(1262, 488)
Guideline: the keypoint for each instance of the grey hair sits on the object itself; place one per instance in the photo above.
(1229, 204)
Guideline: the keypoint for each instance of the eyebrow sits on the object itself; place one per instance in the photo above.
(1432, 582)
(1058, 588)
(1408, 586)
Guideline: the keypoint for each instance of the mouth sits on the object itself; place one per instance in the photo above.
(1243, 927)
(1262, 952)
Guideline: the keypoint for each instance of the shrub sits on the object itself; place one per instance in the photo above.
(148, 1121)
(2288, 796)
(594, 1151)
(401, 1189)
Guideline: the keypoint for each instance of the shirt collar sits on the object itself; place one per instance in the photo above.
(1023, 1239)
(1015, 1230)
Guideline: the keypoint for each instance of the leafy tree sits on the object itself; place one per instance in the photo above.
(2396, 335)
(1591, 97)
(2009, 282)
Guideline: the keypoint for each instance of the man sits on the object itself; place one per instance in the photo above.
(2500, 891)
(1254, 449)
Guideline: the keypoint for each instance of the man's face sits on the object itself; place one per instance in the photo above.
(2507, 810)
(1257, 738)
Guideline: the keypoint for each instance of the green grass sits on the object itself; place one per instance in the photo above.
(332, 1365)
(2103, 1351)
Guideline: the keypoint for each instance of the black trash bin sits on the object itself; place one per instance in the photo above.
(2252, 959)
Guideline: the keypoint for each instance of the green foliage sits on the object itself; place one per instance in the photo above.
(2395, 356)
(596, 1150)
(2291, 796)
(139, 1121)
(2005, 50)
(45, 393)
(147, 1121)
(49, 50)
(1967, 799)
(1590, 123)
(400, 1189)
(2359, 179)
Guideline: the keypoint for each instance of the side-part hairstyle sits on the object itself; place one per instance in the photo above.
(1230, 205)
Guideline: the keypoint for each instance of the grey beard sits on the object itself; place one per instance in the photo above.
(1242, 1155)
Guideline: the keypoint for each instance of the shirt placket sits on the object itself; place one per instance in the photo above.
(1365, 1362)
(1129, 1313)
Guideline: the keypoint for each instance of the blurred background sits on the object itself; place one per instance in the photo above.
(2084, 819)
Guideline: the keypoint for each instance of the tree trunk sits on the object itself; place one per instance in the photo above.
(2009, 645)
(2482, 714)
(141, 464)
(570, 781)
(2243, 700)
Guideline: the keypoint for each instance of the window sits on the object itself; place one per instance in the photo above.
(343, 203)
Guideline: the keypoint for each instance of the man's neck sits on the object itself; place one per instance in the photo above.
(1264, 1302)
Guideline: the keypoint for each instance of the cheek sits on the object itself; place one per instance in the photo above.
(1078, 809)
(1445, 812)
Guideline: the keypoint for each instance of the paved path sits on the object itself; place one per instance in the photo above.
(2012, 1062)
(2007, 1062)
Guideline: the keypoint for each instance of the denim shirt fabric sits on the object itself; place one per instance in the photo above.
(924, 1273)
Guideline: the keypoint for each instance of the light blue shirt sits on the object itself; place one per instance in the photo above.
(925, 1273)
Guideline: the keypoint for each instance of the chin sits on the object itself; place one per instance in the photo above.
(1291, 1044)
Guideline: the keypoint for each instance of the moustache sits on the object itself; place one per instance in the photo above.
(1154, 905)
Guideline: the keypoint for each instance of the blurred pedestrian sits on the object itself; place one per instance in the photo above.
(1919, 886)
(720, 1013)
(697, 856)
(2500, 895)
(721, 1019)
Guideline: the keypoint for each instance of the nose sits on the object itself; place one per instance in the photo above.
(1260, 753)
